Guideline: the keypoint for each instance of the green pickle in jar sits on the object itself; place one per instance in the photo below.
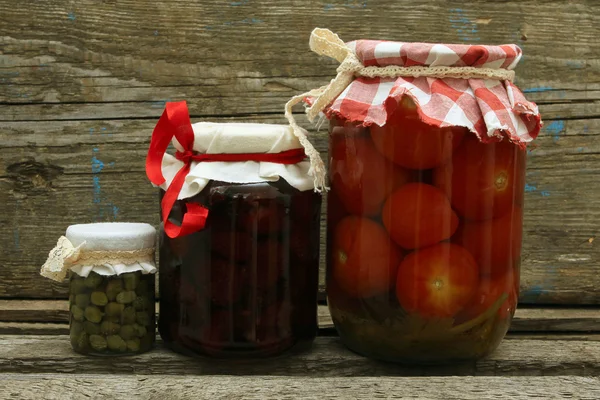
(112, 315)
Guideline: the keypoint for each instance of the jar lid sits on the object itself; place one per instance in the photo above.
(112, 236)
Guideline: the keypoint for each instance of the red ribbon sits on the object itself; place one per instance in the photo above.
(175, 122)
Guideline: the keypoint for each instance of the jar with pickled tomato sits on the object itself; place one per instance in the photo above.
(425, 209)
(239, 242)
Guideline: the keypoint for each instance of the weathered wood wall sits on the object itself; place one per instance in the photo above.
(83, 83)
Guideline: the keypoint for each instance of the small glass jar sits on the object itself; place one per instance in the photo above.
(111, 288)
(245, 285)
(424, 238)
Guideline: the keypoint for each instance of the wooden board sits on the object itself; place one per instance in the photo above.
(327, 358)
(45, 386)
(82, 84)
(49, 312)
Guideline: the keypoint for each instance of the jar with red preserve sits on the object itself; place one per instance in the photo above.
(426, 168)
(239, 241)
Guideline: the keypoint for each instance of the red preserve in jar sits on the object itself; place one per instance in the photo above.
(239, 242)
(426, 169)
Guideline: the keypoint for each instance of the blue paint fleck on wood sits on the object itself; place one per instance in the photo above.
(97, 198)
(555, 128)
(71, 16)
(537, 89)
(466, 29)
(530, 188)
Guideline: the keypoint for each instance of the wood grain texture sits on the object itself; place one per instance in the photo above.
(327, 358)
(525, 320)
(81, 87)
(77, 386)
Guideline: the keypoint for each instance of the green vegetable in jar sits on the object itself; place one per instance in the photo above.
(128, 316)
(128, 332)
(77, 286)
(143, 288)
(133, 344)
(126, 297)
(72, 299)
(109, 327)
(113, 309)
(77, 313)
(92, 280)
(141, 331)
(83, 344)
(76, 328)
(140, 303)
(99, 298)
(142, 318)
(98, 342)
(131, 280)
(116, 343)
(82, 300)
(93, 314)
(91, 328)
(113, 288)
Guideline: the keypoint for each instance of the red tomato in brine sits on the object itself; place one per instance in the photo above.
(495, 243)
(364, 259)
(437, 281)
(489, 292)
(361, 177)
(483, 181)
(418, 215)
(411, 143)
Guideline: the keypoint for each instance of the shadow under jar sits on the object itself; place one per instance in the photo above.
(246, 284)
(424, 238)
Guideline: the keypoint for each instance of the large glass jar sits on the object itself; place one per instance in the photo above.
(424, 238)
(246, 284)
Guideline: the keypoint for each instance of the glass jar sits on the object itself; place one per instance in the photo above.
(111, 288)
(424, 238)
(112, 315)
(246, 284)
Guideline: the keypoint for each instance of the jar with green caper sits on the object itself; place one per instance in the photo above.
(111, 287)
(112, 314)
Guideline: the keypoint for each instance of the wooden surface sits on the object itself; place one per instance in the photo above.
(36, 354)
(83, 83)
(280, 387)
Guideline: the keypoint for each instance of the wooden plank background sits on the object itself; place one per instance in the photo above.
(83, 83)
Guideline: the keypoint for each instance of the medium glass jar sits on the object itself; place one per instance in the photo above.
(424, 238)
(246, 284)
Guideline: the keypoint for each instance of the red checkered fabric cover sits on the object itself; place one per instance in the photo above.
(490, 108)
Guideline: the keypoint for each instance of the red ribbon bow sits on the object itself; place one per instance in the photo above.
(175, 122)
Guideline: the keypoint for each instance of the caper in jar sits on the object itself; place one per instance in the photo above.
(133, 344)
(76, 328)
(109, 327)
(91, 328)
(92, 280)
(116, 343)
(99, 298)
(113, 309)
(143, 288)
(128, 332)
(140, 303)
(142, 318)
(140, 330)
(131, 280)
(93, 314)
(126, 297)
(77, 313)
(113, 288)
(128, 316)
(83, 343)
(82, 300)
(77, 285)
(98, 342)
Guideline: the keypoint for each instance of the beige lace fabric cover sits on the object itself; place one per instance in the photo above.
(65, 257)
